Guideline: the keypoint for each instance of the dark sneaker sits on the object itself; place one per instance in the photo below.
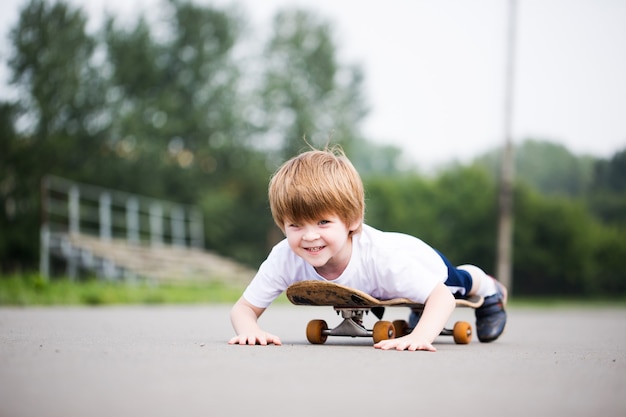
(491, 317)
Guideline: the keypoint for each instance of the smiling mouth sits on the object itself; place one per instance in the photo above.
(314, 248)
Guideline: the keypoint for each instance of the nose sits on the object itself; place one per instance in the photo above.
(310, 234)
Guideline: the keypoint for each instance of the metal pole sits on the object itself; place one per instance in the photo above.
(44, 233)
(74, 213)
(74, 210)
(105, 216)
(196, 226)
(156, 225)
(504, 263)
(132, 221)
(177, 218)
(44, 254)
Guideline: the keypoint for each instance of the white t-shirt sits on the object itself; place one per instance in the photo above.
(384, 265)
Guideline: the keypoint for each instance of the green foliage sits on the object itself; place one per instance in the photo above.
(467, 213)
(549, 256)
(607, 198)
(611, 174)
(16, 228)
(176, 102)
(454, 212)
(306, 91)
(31, 290)
(397, 204)
(240, 218)
(570, 221)
(609, 256)
(546, 166)
(560, 248)
(61, 110)
(373, 160)
(53, 63)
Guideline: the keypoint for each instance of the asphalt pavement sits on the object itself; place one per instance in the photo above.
(175, 361)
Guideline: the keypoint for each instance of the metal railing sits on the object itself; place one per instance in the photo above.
(71, 209)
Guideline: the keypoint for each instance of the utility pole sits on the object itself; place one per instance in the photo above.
(504, 258)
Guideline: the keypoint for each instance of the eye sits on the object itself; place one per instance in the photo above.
(323, 222)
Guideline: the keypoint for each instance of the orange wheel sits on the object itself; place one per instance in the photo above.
(383, 330)
(462, 332)
(401, 327)
(315, 332)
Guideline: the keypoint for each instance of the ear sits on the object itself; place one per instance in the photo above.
(355, 225)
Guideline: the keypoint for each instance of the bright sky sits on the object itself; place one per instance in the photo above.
(435, 69)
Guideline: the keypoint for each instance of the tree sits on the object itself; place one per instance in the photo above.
(16, 203)
(372, 159)
(183, 116)
(178, 98)
(548, 167)
(307, 92)
(607, 197)
(611, 174)
(53, 66)
(562, 249)
(60, 115)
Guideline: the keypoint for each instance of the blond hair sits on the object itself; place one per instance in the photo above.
(316, 184)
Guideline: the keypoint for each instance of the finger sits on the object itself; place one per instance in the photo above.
(274, 339)
(426, 347)
(252, 340)
(237, 340)
(380, 344)
(386, 344)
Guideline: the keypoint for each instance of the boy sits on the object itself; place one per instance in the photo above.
(317, 200)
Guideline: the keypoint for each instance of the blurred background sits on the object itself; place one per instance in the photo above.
(187, 107)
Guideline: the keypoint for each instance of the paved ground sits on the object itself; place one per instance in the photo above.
(174, 361)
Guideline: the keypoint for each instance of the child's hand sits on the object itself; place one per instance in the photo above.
(244, 318)
(260, 338)
(438, 308)
(408, 342)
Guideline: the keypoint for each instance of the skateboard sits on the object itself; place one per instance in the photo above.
(354, 304)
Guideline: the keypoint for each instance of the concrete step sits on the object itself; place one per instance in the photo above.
(158, 263)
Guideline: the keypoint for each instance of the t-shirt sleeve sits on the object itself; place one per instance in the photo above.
(273, 277)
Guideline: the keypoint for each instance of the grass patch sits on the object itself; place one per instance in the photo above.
(545, 301)
(32, 290)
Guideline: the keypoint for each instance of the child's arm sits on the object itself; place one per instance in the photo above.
(437, 310)
(244, 318)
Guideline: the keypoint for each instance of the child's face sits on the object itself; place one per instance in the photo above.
(326, 244)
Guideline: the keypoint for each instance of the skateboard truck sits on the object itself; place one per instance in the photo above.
(352, 324)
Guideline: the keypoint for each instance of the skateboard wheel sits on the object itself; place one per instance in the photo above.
(315, 332)
(462, 332)
(401, 327)
(383, 330)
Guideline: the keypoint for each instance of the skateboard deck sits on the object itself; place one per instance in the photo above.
(324, 293)
(352, 304)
